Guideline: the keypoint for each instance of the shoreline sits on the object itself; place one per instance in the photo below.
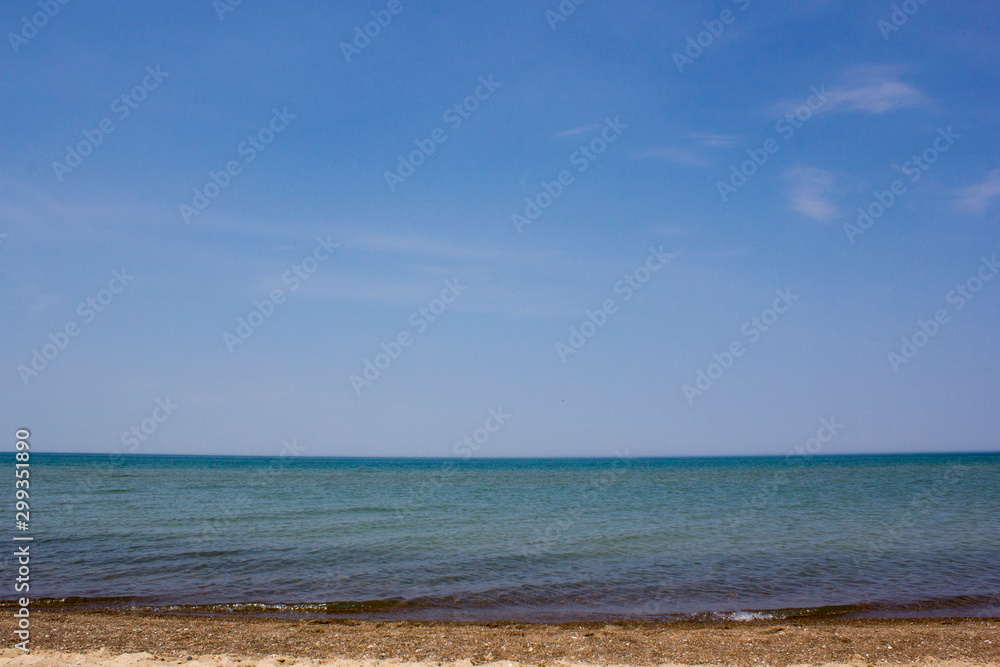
(423, 609)
(100, 636)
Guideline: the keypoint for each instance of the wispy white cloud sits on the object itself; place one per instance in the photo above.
(977, 198)
(583, 129)
(693, 156)
(807, 190)
(876, 98)
(874, 90)
(867, 89)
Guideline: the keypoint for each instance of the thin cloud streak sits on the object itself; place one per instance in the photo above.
(808, 187)
(583, 129)
(977, 198)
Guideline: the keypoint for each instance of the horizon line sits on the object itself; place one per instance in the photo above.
(531, 458)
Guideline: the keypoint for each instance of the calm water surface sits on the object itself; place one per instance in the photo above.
(519, 539)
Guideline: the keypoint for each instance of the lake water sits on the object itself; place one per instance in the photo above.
(539, 539)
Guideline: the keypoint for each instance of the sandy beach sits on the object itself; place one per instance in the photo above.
(126, 639)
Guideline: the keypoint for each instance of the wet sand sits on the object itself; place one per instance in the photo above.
(108, 637)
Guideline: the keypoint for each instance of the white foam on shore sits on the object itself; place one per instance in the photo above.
(744, 615)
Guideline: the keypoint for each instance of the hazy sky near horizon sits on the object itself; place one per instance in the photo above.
(641, 149)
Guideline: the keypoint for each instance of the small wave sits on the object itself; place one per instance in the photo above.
(534, 605)
(743, 615)
(75, 601)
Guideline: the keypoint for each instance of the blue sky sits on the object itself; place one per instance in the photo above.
(599, 99)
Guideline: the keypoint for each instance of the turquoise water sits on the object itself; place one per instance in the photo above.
(520, 539)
